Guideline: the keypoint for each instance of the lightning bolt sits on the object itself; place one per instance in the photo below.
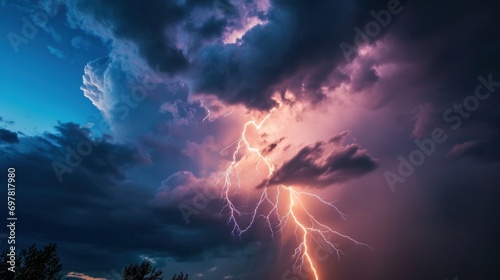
(308, 229)
(208, 115)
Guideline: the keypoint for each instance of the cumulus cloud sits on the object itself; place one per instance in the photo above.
(137, 103)
(94, 86)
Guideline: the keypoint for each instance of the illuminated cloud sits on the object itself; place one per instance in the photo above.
(82, 276)
(323, 164)
(95, 86)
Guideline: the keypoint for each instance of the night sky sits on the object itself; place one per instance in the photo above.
(123, 120)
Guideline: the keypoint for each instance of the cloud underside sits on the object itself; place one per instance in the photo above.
(323, 164)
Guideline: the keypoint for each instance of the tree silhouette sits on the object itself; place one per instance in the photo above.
(33, 264)
(180, 277)
(146, 271)
(143, 271)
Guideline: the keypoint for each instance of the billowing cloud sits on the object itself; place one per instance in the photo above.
(94, 86)
(243, 53)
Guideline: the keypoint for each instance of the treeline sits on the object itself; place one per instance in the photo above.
(44, 264)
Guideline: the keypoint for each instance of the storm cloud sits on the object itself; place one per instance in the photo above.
(8, 136)
(171, 85)
(323, 164)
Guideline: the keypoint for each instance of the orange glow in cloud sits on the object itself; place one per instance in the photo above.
(82, 276)
(281, 207)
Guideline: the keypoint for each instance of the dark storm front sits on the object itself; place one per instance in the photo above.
(455, 117)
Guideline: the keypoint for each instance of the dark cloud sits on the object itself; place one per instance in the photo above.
(211, 28)
(366, 78)
(99, 210)
(7, 136)
(450, 61)
(291, 51)
(297, 45)
(295, 48)
(447, 226)
(478, 136)
(323, 164)
(143, 23)
(104, 157)
(270, 147)
(486, 150)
